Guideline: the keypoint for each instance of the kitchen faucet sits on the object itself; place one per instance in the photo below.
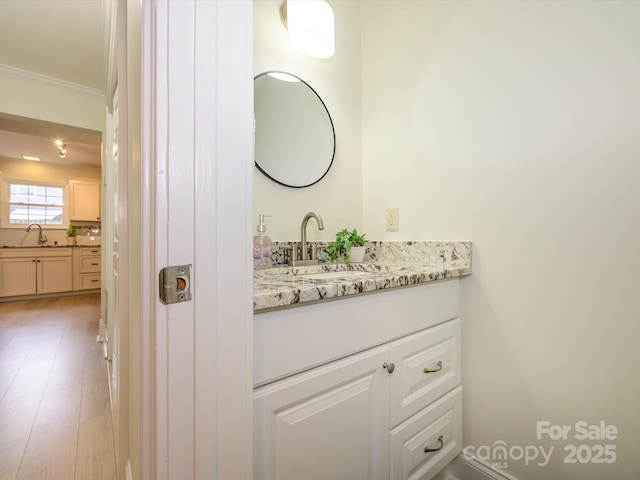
(41, 238)
(305, 258)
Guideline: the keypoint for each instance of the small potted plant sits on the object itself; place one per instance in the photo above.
(71, 235)
(349, 245)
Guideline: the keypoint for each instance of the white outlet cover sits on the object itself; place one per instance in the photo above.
(392, 219)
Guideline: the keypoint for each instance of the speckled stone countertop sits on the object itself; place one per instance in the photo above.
(387, 265)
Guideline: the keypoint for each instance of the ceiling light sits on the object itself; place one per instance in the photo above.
(310, 25)
(62, 148)
(32, 158)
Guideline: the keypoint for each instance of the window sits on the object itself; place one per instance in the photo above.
(35, 203)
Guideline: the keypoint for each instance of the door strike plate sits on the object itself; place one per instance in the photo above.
(175, 284)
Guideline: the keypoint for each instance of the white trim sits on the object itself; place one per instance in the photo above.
(197, 168)
(127, 472)
(17, 72)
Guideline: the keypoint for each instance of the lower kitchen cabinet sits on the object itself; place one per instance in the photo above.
(87, 268)
(35, 271)
(54, 274)
(390, 411)
(17, 276)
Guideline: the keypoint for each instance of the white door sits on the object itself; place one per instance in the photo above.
(195, 196)
(118, 216)
(331, 422)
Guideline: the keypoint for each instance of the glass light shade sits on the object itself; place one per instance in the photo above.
(310, 26)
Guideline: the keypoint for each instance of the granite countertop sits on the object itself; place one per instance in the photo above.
(387, 265)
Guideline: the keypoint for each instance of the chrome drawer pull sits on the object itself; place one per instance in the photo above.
(433, 370)
(429, 449)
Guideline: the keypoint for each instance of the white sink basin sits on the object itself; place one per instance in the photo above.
(338, 274)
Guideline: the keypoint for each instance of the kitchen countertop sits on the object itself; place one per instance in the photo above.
(48, 246)
(396, 265)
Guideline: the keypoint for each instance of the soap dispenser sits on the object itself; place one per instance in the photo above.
(261, 245)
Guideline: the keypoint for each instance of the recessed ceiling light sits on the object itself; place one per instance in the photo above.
(29, 157)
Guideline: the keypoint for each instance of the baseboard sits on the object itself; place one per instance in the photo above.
(464, 467)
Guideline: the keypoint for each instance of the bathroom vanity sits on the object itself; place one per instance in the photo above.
(357, 369)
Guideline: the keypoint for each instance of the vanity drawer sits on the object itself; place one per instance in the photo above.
(90, 281)
(89, 264)
(427, 365)
(82, 251)
(438, 427)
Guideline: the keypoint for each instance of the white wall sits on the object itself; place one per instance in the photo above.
(516, 125)
(43, 99)
(337, 198)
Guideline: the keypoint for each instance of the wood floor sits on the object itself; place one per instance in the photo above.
(55, 415)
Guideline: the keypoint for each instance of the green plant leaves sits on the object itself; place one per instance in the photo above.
(345, 239)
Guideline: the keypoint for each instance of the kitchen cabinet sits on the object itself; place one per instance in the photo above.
(84, 200)
(35, 271)
(366, 388)
(87, 268)
(17, 276)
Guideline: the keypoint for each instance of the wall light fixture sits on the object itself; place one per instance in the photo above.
(310, 24)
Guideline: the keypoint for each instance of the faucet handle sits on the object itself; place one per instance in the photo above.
(314, 252)
(293, 256)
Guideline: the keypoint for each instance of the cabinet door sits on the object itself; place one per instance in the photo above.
(84, 200)
(54, 274)
(17, 276)
(427, 365)
(331, 422)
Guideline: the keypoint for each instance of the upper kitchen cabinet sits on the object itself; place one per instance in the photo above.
(84, 200)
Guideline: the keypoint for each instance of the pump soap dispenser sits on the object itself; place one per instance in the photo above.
(261, 245)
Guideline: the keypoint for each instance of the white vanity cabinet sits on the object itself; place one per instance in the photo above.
(359, 388)
(331, 422)
(35, 271)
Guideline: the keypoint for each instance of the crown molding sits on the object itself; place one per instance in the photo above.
(19, 73)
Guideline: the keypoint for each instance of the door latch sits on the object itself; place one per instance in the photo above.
(175, 284)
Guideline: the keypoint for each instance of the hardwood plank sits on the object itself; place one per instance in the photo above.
(95, 385)
(55, 416)
(96, 455)
(68, 366)
(51, 450)
(10, 457)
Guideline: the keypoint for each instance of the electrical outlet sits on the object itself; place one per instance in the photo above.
(392, 219)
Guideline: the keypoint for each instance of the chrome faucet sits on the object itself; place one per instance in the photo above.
(305, 258)
(41, 238)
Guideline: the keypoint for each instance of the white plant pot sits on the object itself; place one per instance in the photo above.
(71, 241)
(356, 254)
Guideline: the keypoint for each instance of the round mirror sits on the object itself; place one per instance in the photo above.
(295, 140)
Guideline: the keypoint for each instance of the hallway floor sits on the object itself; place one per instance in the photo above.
(55, 414)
